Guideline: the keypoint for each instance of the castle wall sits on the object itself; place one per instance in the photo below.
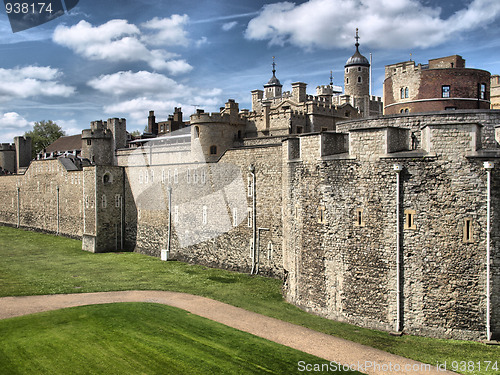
(8, 157)
(488, 118)
(340, 236)
(46, 197)
(211, 210)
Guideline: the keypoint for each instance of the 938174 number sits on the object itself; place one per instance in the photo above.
(25, 8)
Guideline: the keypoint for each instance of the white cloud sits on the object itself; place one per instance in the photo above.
(117, 40)
(12, 125)
(135, 83)
(32, 81)
(229, 25)
(169, 31)
(382, 23)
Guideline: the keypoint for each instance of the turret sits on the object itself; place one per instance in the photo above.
(357, 78)
(273, 88)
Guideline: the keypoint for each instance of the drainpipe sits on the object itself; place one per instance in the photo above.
(57, 199)
(488, 165)
(397, 169)
(251, 169)
(18, 207)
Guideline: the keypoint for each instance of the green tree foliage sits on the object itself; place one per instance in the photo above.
(43, 134)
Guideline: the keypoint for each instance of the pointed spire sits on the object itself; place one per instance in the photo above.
(357, 39)
(331, 77)
(274, 67)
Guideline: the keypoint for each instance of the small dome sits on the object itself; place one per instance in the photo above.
(273, 81)
(357, 59)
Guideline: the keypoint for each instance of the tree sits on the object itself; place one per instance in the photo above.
(43, 134)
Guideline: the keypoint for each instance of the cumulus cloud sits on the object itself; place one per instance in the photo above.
(31, 81)
(117, 40)
(135, 83)
(12, 124)
(382, 23)
(229, 25)
(169, 31)
(144, 91)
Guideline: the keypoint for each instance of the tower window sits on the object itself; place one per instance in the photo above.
(213, 150)
(359, 79)
(89, 142)
(407, 92)
(445, 91)
(359, 69)
(482, 91)
(402, 93)
(347, 81)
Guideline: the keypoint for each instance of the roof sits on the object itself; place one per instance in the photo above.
(357, 59)
(69, 143)
(273, 81)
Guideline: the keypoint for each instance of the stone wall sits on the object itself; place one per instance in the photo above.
(47, 197)
(340, 238)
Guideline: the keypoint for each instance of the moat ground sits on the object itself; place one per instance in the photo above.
(36, 264)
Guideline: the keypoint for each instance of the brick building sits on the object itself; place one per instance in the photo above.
(442, 84)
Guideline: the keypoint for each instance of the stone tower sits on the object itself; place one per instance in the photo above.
(273, 88)
(357, 80)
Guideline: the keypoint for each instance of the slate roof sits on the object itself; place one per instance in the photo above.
(69, 143)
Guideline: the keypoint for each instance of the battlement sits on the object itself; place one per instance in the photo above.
(7, 147)
(229, 114)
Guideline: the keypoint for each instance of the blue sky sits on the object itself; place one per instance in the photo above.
(124, 58)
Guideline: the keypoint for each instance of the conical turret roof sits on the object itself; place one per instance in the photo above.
(357, 59)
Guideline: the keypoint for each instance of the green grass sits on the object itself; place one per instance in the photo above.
(33, 263)
(137, 338)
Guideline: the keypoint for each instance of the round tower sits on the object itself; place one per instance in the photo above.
(357, 75)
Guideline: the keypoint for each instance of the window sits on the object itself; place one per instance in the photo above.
(146, 176)
(176, 176)
(89, 142)
(359, 79)
(482, 91)
(359, 218)
(213, 150)
(250, 186)
(402, 93)
(269, 250)
(203, 176)
(195, 176)
(249, 217)
(205, 215)
(196, 131)
(118, 200)
(188, 176)
(410, 219)
(347, 81)
(347, 70)
(359, 69)
(176, 214)
(407, 92)
(299, 129)
(152, 176)
(104, 201)
(321, 215)
(163, 176)
(445, 91)
(467, 238)
(235, 217)
(106, 178)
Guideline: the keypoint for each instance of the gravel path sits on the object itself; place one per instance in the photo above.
(362, 358)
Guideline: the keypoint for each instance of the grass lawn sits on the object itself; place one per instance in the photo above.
(137, 338)
(33, 263)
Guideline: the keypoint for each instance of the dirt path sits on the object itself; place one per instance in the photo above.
(362, 358)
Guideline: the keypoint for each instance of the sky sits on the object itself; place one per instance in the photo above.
(123, 58)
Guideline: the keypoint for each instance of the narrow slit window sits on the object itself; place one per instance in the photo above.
(468, 230)
(250, 187)
(249, 218)
(359, 218)
(410, 219)
(235, 217)
(205, 215)
(321, 214)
